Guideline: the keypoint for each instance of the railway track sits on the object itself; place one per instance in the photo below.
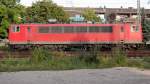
(23, 54)
(139, 53)
(16, 54)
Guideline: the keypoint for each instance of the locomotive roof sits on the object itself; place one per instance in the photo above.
(67, 24)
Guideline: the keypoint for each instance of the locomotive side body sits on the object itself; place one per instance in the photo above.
(50, 34)
(76, 34)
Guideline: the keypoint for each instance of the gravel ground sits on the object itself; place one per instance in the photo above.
(86, 76)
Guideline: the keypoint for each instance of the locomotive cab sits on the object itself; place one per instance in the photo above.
(17, 34)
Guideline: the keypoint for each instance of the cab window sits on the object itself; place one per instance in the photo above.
(16, 29)
(134, 28)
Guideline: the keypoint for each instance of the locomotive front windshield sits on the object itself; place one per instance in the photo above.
(77, 29)
(16, 28)
(134, 28)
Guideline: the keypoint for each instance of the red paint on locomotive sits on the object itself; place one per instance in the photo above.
(29, 33)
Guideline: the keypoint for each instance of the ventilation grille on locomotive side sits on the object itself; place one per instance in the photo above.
(79, 29)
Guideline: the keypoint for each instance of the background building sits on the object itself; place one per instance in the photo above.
(122, 14)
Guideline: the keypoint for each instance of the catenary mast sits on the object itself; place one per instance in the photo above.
(138, 14)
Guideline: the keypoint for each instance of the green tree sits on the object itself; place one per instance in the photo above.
(43, 10)
(9, 3)
(145, 26)
(10, 11)
(111, 17)
(146, 29)
(90, 15)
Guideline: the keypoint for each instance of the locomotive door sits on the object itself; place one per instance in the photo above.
(122, 34)
(28, 34)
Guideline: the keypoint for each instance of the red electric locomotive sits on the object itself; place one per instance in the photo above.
(74, 34)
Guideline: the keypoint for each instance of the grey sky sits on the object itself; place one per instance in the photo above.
(95, 3)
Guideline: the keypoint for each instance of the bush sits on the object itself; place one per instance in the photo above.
(4, 48)
(105, 61)
(89, 57)
(13, 64)
(119, 57)
(146, 59)
(146, 62)
(135, 63)
(40, 55)
(42, 59)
